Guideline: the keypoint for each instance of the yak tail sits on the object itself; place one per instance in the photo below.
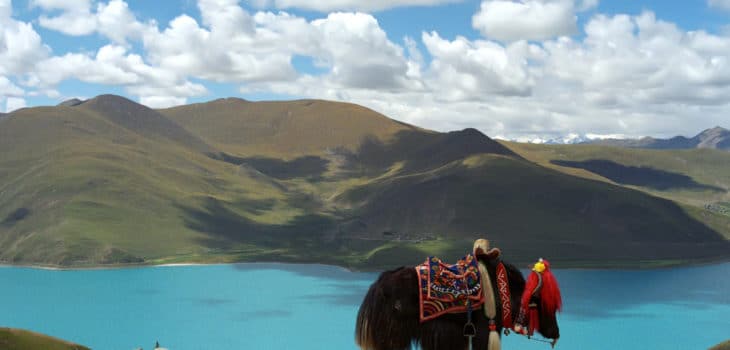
(364, 335)
(388, 317)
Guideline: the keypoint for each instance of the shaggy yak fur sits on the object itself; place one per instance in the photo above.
(389, 315)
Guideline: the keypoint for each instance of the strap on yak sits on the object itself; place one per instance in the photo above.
(504, 297)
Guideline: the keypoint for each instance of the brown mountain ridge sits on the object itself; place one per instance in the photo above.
(109, 181)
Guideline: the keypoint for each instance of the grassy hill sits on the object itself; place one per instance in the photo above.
(17, 339)
(109, 181)
(283, 129)
(722, 346)
(697, 179)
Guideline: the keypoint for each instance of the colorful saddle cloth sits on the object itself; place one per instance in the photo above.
(448, 288)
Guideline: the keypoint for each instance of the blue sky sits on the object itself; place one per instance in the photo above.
(519, 69)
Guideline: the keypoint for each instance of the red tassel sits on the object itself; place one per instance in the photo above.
(534, 321)
(550, 293)
(530, 285)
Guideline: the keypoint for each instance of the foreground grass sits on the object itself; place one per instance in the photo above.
(18, 339)
(722, 346)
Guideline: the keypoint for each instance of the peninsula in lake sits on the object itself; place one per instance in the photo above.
(108, 181)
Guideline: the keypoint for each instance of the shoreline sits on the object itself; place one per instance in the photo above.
(569, 265)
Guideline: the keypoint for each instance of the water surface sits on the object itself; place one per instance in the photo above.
(281, 306)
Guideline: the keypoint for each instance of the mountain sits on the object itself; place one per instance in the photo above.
(715, 138)
(143, 121)
(18, 339)
(285, 129)
(109, 181)
(71, 102)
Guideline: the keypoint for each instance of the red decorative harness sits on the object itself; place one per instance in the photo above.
(504, 296)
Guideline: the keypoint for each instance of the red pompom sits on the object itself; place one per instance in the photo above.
(550, 293)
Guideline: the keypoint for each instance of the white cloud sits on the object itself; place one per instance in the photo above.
(630, 61)
(585, 5)
(359, 53)
(75, 17)
(628, 75)
(8, 88)
(14, 103)
(20, 45)
(6, 9)
(112, 19)
(476, 70)
(347, 5)
(721, 4)
(115, 21)
(508, 20)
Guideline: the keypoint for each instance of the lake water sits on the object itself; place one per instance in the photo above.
(280, 306)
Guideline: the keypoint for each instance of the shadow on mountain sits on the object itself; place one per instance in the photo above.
(16, 216)
(637, 176)
(311, 167)
(223, 226)
(142, 120)
(420, 150)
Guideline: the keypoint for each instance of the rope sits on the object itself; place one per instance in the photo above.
(551, 342)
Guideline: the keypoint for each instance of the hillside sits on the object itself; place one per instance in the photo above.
(108, 181)
(722, 346)
(697, 179)
(18, 339)
(283, 129)
(715, 138)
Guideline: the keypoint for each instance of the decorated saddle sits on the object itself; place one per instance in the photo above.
(448, 288)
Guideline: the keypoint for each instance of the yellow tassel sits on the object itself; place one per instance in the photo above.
(494, 342)
(490, 305)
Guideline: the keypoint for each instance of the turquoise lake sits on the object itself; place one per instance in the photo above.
(281, 306)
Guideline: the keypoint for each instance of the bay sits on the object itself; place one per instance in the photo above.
(290, 306)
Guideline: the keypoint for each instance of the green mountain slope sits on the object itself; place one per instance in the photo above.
(697, 179)
(283, 129)
(18, 339)
(521, 206)
(77, 188)
(108, 181)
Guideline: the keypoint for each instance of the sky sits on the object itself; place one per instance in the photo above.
(514, 69)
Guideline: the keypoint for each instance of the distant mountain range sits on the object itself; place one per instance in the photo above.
(109, 181)
(715, 138)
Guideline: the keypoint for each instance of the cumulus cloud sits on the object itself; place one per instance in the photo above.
(628, 61)
(529, 78)
(359, 53)
(479, 69)
(509, 20)
(347, 5)
(20, 45)
(115, 21)
(228, 45)
(529, 19)
(8, 88)
(14, 103)
(629, 75)
(720, 4)
(75, 17)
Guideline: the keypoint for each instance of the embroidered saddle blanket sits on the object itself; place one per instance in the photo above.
(448, 288)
